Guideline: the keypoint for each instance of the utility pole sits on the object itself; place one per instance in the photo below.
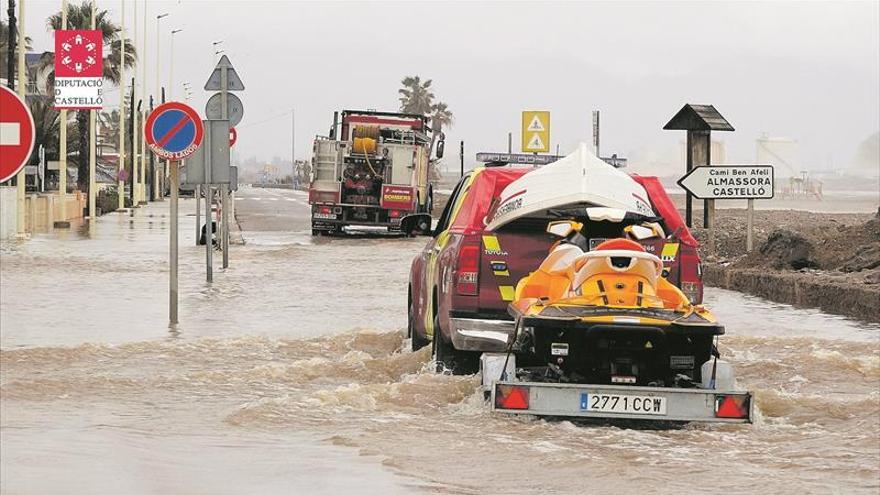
(62, 149)
(22, 92)
(461, 158)
(143, 192)
(10, 59)
(121, 165)
(292, 146)
(93, 186)
(510, 142)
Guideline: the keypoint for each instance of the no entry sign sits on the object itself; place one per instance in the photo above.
(16, 134)
(174, 130)
(233, 136)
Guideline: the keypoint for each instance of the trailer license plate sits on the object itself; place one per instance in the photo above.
(325, 216)
(623, 404)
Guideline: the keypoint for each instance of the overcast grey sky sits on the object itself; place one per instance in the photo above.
(807, 71)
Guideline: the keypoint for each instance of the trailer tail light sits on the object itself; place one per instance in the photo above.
(325, 210)
(394, 214)
(467, 272)
(732, 406)
(511, 397)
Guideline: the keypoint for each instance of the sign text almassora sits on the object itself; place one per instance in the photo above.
(730, 182)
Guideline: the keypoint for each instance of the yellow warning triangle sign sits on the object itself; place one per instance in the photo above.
(535, 143)
(535, 125)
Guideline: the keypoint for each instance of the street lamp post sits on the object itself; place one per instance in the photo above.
(171, 66)
(120, 184)
(156, 189)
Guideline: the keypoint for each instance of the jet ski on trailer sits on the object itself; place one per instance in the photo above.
(600, 332)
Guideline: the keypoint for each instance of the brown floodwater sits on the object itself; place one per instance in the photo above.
(291, 374)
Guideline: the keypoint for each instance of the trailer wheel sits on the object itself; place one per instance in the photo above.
(417, 341)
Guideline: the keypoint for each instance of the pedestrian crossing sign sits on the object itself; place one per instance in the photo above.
(535, 131)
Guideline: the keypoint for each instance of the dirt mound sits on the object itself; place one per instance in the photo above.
(785, 249)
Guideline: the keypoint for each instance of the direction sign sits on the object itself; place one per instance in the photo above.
(215, 82)
(234, 108)
(16, 134)
(173, 130)
(730, 182)
(536, 131)
(233, 136)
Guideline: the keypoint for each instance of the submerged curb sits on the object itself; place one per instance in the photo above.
(799, 289)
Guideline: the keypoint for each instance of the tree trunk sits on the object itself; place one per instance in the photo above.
(82, 166)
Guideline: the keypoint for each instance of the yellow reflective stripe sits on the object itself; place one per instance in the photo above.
(502, 273)
(490, 242)
(669, 251)
(507, 292)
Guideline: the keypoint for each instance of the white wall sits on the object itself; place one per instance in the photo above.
(8, 207)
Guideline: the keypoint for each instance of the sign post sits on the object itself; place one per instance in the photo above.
(224, 106)
(749, 182)
(173, 131)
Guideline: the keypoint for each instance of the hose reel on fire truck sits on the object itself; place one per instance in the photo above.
(365, 139)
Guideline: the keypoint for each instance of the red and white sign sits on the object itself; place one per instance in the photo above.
(16, 134)
(397, 197)
(233, 136)
(79, 69)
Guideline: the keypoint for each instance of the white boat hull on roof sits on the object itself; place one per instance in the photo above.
(578, 179)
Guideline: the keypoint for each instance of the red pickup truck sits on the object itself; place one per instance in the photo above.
(463, 280)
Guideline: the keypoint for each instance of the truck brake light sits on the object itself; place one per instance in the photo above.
(691, 277)
(467, 273)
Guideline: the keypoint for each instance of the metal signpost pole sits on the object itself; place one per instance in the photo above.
(172, 292)
(224, 188)
(750, 226)
(209, 230)
(197, 192)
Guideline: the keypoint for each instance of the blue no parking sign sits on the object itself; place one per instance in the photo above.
(174, 130)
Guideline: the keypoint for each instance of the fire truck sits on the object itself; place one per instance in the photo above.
(372, 169)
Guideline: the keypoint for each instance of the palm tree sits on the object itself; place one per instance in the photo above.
(4, 47)
(416, 96)
(79, 17)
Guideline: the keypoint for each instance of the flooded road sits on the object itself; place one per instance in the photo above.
(291, 375)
